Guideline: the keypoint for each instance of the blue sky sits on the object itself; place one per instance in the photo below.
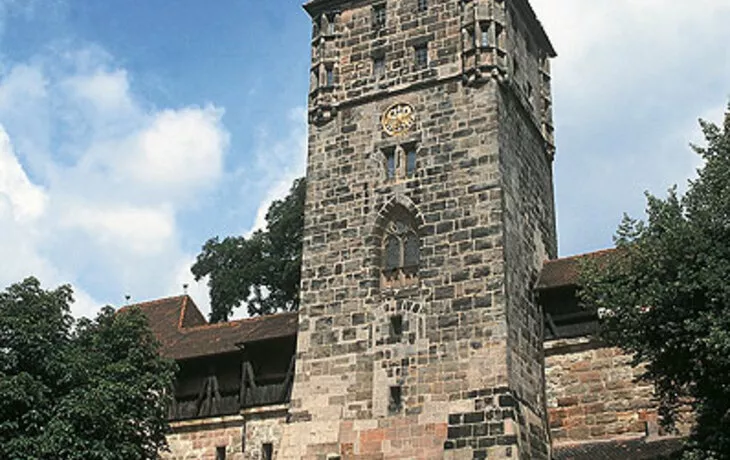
(131, 131)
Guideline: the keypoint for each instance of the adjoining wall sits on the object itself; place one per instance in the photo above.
(199, 439)
(593, 394)
(243, 436)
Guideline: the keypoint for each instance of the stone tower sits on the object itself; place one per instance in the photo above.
(429, 213)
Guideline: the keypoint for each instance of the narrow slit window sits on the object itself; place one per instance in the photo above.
(421, 56)
(395, 401)
(330, 18)
(484, 35)
(379, 16)
(390, 165)
(411, 251)
(396, 326)
(329, 76)
(410, 160)
(220, 453)
(379, 66)
(267, 451)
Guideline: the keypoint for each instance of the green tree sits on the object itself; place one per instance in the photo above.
(263, 270)
(91, 390)
(665, 294)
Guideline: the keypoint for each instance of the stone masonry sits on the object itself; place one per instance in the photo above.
(241, 437)
(443, 360)
(595, 394)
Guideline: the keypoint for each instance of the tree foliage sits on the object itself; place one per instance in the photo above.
(263, 270)
(666, 296)
(91, 390)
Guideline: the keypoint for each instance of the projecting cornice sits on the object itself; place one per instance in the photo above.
(522, 7)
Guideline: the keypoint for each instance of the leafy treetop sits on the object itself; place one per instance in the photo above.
(86, 390)
(261, 271)
(666, 295)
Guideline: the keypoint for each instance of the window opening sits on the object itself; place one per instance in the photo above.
(400, 255)
(484, 35)
(396, 326)
(392, 253)
(390, 163)
(379, 66)
(422, 5)
(379, 16)
(329, 76)
(267, 451)
(421, 56)
(400, 161)
(395, 401)
(410, 160)
(411, 253)
(220, 453)
(330, 18)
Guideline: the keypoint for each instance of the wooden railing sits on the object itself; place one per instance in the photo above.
(252, 392)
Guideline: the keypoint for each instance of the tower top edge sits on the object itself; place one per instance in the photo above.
(523, 7)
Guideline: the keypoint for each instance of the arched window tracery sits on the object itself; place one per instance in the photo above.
(400, 253)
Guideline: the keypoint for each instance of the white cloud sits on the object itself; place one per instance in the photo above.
(180, 149)
(24, 200)
(106, 92)
(91, 193)
(144, 231)
(630, 80)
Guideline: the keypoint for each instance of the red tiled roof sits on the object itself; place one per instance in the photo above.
(565, 272)
(184, 333)
(647, 449)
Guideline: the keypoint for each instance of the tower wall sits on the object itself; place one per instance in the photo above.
(466, 359)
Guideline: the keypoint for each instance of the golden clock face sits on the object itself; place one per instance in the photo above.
(398, 119)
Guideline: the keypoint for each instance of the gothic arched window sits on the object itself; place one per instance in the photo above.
(401, 254)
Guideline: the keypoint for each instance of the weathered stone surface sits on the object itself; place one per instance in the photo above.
(479, 197)
(594, 393)
(463, 378)
(241, 436)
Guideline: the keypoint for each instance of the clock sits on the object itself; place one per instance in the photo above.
(398, 119)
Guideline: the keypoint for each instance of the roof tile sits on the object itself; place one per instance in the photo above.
(565, 272)
(184, 333)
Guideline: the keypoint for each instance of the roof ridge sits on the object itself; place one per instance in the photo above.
(237, 322)
(156, 301)
(581, 256)
(183, 308)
